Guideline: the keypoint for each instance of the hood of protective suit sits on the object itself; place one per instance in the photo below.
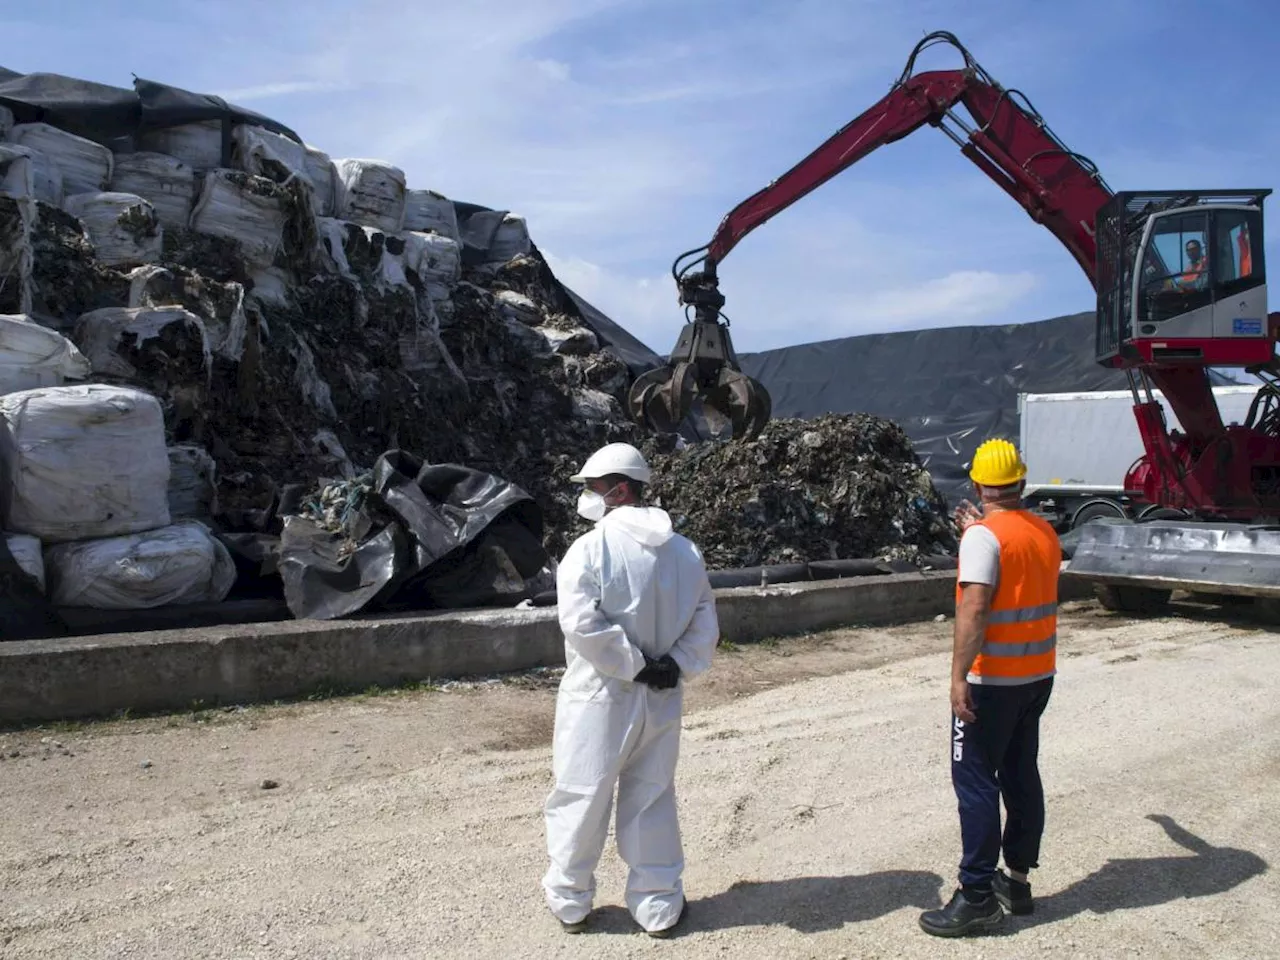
(648, 525)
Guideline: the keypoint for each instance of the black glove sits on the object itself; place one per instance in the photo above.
(661, 674)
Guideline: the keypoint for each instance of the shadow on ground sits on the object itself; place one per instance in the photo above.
(815, 904)
(1136, 883)
(805, 904)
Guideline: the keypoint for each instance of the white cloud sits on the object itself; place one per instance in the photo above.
(267, 91)
(964, 296)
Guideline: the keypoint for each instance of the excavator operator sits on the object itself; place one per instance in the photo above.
(1196, 274)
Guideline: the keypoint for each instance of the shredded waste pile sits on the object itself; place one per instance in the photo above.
(834, 488)
(213, 334)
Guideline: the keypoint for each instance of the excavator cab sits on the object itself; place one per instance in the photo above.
(703, 366)
(1181, 280)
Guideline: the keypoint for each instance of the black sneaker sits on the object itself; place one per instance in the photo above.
(1014, 895)
(960, 917)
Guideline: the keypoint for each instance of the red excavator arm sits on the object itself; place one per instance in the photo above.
(1006, 138)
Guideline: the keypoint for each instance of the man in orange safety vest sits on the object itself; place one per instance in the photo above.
(1002, 669)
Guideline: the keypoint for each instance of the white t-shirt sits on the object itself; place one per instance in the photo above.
(979, 556)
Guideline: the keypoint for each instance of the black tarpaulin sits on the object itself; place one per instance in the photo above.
(429, 535)
(949, 388)
(106, 114)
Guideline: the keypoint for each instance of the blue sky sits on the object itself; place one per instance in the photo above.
(625, 129)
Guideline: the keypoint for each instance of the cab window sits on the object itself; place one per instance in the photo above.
(1177, 275)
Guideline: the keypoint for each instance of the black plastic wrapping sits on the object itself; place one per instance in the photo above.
(429, 535)
(109, 115)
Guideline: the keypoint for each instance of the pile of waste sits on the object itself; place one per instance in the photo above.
(228, 359)
(834, 488)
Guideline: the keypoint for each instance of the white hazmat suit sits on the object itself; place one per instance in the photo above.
(631, 586)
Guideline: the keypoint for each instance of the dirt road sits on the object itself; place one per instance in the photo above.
(817, 812)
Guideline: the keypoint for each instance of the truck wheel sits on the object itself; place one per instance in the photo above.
(1091, 511)
(1128, 599)
(1162, 513)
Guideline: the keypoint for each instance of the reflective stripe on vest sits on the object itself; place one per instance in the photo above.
(1021, 640)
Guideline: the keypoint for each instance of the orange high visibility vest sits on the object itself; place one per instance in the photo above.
(1193, 272)
(1021, 640)
(1246, 252)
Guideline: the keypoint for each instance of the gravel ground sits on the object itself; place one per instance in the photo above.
(817, 812)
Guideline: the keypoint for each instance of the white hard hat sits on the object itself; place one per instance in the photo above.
(619, 458)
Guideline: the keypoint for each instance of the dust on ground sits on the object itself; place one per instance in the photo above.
(816, 808)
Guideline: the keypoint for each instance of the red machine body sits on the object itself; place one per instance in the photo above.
(1166, 338)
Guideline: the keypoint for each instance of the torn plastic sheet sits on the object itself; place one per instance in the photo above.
(424, 536)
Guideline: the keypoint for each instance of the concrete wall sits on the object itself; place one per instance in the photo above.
(175, 669)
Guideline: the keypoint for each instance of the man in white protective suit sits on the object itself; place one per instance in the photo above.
(639, 618)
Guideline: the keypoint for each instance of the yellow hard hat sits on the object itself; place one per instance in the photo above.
(997, 463)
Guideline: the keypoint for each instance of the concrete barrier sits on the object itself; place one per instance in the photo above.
(80, 677)
(246, 663)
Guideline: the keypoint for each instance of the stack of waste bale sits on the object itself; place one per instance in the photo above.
(237, 328)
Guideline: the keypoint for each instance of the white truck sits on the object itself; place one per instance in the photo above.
(1079, 446)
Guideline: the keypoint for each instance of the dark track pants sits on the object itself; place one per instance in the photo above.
(994, 757)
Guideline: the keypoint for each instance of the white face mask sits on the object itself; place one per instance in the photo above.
(591, 505)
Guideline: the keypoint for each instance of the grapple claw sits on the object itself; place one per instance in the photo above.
(748, 403)
(703, 366)
(660, 399)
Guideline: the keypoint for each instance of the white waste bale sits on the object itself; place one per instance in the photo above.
(516, 306)
(595, 406)
(338, 238)
(247, 209)
(266, 154)
(85, 165)
(28, 554)
(270, 285)
(372, 193)
(32, 355)
(167, 183)
(100, 332)
(332, 235)
(30, 174)
(193, 480)
(579, 341)
(391, 267)
(511, 239)
(219, 306)
(436, 259)
(83, 461)
(198, 145)
(323, 176)
(181, 563)
(123, 227)
(426, 211)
